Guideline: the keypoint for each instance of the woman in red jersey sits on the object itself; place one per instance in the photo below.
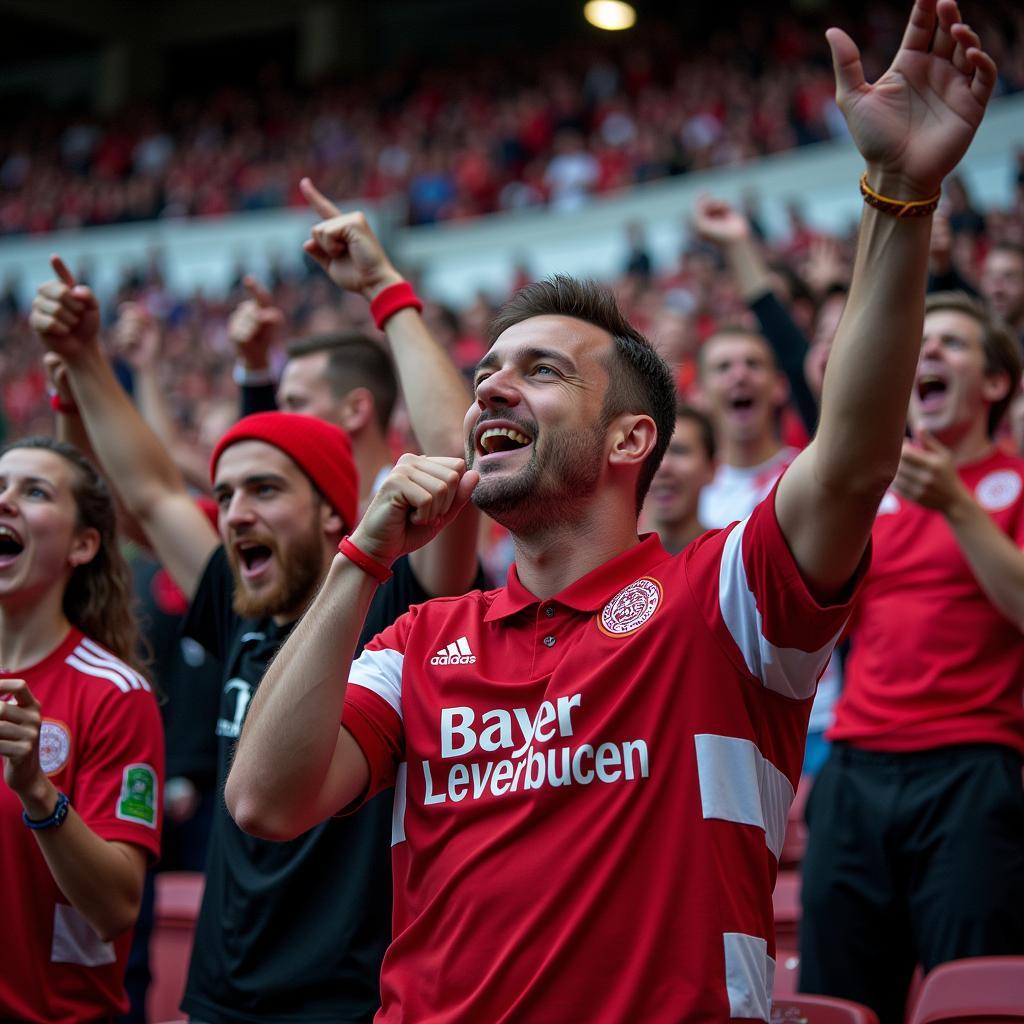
(81, 743)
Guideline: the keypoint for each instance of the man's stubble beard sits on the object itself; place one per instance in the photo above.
(550, 488)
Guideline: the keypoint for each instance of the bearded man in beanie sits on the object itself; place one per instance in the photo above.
(287, 931)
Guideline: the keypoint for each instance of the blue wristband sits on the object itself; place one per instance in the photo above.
(55, 820)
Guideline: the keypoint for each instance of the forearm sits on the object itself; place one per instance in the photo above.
(748, 268)
(997, 563)
(790, 347)
(280, 782)
(435, 393)
(873, 360)
(131, 454)
(102, 880)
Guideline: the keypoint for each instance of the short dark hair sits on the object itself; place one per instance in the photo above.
(1002, 353)
(731, 329)
(639, 380)
(685, 411)
(354, 360)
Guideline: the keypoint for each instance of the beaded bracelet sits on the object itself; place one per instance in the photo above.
(897, 207)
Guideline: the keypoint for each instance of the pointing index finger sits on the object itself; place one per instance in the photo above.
(317, 199)
(61, 270)
(257, 291)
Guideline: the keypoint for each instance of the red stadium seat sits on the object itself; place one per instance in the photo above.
(178, 895)
(800, 1009)
(980, 990)
(786, 905)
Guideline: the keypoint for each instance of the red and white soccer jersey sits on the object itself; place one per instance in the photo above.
(101, 742)
(591, 790)
(932, 661)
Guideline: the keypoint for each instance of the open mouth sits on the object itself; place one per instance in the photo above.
(931, 389)
(253, 558)
(741, 404)
(495, 439)
(10, 545)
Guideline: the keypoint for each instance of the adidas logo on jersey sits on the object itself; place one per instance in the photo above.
(457, 653)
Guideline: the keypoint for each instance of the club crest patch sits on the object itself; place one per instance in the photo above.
(138, 795)
(631, 608)
(54, 746)
(998, 490)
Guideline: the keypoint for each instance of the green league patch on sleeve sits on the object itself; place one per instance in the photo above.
(138, 795)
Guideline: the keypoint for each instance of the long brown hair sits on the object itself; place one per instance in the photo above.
(98, 598)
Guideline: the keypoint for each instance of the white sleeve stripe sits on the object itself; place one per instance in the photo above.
(749, 975)
(96, 655)
(381, 672)
(100, 673)
(738, 784)
(784, 670)
(398, 807)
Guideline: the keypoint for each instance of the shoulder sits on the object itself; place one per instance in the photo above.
(97, 667)
(998, 483)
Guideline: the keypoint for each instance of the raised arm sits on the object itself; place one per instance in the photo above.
(435, 393)
(65, 315)
(725, 226)
(912, 127)
(254, 327)
(294, 765)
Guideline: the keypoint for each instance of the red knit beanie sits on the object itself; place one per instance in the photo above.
(320, 449)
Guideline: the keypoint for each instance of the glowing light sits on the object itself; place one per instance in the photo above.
(611, 15)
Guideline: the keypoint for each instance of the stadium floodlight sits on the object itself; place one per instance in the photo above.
(611, 15)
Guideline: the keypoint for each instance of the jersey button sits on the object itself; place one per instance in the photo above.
(549, 641)
(549, 611)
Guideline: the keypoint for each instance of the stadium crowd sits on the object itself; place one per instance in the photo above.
(205, 409)
(501, 131)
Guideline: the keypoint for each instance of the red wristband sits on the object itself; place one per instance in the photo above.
(391, 300)
(380, 572)
(68, 408)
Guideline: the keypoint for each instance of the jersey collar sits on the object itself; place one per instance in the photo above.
(589, 592)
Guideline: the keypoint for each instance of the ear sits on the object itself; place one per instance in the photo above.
(84, 546)
(331, 524)
(357, 410)
(995, 386)
(631, 439)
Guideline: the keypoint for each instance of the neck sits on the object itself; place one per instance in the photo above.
(371, 454)
(675, 536)
(551, 557)
(744, 454)
(970, 446)
(28, 633)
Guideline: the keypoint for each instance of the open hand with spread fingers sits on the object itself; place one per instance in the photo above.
(65, 314)
(914, 124)
(346, 247)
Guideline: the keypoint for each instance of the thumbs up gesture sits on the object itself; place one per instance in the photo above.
(346, 247)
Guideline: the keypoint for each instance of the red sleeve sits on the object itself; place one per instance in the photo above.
(373, 703)
(757, 603)
(119, 784)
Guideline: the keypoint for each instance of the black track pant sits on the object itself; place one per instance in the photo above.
(911, 858)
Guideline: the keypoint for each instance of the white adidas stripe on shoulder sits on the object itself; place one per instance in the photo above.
(91, 659)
